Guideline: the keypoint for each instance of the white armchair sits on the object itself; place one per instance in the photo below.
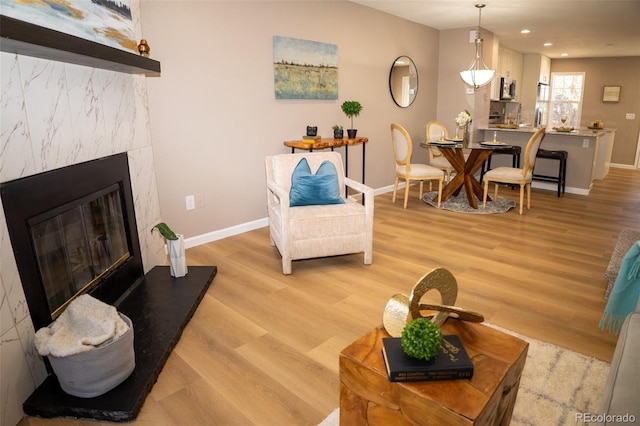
(309, 231)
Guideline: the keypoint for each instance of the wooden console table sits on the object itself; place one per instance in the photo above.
(331, 143)
(368, 397)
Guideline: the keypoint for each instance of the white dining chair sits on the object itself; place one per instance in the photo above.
(402, 151)
(514, 175)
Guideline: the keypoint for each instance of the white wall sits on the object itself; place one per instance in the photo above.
(214, 116)
(53, 115)
(600, 72)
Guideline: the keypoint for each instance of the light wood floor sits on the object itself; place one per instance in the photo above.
(262, 348)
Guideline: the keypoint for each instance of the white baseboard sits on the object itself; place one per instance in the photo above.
(622, 166)
(386, 189)
(551, 186)
(224, 233)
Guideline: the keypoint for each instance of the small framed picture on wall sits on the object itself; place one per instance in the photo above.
(611, 94)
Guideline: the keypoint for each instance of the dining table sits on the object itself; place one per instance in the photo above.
(454, 150)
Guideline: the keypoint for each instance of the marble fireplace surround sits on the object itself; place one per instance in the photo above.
(55, 115)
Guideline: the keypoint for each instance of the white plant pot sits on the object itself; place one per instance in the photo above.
(177, 257)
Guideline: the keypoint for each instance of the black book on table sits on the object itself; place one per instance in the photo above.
(450, 363)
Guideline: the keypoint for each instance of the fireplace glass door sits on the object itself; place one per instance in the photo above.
(77, 244)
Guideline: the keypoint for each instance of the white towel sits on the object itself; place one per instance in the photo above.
(85, 324)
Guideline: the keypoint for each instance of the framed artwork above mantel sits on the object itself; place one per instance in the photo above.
(611, 94)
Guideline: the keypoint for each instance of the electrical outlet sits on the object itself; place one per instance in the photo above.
(469, 91)
(630, 116)
(199, 200)
(190, 202)
(585, 143)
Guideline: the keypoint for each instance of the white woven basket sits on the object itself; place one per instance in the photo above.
(95, 372)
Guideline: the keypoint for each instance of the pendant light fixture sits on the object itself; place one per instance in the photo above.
(479, 74)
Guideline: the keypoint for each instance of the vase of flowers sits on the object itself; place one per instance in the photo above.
(463, 121)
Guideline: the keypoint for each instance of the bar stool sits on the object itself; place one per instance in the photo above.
(513, 150)
(561, 156)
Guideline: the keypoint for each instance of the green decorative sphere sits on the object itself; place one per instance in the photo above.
(421, 339)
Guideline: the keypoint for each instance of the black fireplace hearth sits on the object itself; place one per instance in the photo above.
(159, 306)
(73, 231)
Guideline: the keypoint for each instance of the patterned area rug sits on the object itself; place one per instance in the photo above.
(459, 203)
(556, 385)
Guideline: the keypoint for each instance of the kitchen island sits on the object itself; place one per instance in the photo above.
(589, 154)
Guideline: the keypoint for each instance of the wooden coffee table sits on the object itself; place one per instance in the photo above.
(368, 398)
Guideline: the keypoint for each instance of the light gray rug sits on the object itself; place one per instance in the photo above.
(556, 385)
(459, 203)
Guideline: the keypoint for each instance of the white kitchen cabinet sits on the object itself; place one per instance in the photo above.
(510, 64)
(536, 69)
(545, 69)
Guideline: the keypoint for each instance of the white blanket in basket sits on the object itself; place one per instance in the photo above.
(86, 323)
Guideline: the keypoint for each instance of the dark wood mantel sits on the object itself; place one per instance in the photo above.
(33, 40)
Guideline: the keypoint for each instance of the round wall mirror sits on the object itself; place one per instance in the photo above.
(403, 81)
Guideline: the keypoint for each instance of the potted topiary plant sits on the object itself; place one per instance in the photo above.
(421, 339)
(351, 109)
(175, 247)
(338, 133)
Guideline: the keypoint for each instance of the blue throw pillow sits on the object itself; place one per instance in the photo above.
(308, 189)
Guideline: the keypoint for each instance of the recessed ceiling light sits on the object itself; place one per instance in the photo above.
(525, 31)
(548, 44)
(564, 54)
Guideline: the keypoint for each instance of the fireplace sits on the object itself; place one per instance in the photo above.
(73, 231)
(79, 244)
